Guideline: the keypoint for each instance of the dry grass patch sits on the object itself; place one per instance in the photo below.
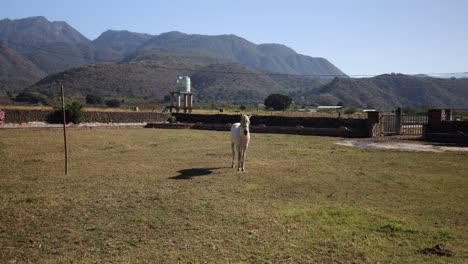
(148, 195)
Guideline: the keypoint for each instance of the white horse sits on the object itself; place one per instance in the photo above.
(240, 137)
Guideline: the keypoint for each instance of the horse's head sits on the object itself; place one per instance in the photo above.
(245, 124)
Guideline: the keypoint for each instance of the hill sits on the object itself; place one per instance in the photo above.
(235, 82)
(173, 55)
(58, 56)
(122, 41)
(56, 46)
(35, 31)
(155, 79)
(16, 71)
(266, 57)
(391, 91)
(232, 82)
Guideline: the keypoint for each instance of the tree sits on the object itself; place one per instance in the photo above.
(113, 103)
(93, 99)
(278, 101)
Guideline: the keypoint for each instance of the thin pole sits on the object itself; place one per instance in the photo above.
(64, 130)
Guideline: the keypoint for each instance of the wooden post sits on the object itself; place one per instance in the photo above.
(64, 130)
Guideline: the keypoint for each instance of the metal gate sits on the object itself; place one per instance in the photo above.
(402, 124)
(389, 125)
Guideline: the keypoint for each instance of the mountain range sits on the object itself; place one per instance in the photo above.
(37, 53)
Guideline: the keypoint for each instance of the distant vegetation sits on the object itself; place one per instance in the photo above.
(94, 99)
(32, 98)
(113, 103)
(278, 102)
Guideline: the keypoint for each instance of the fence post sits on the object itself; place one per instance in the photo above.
(373, 123)
(398, 121)
(434, 118)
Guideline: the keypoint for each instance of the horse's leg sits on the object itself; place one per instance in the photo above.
(233, 147)
(244, 152)
(239, 158)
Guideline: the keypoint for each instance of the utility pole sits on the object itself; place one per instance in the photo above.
(64, 130)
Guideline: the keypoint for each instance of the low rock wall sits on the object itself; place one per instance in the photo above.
(310, 125)
(448, 132)
(26, 116)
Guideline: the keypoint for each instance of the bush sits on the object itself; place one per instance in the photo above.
(278, 101)
(93, 99)
(74, 113)
(113, 103)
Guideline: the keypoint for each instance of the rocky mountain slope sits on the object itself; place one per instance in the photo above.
(16, 71)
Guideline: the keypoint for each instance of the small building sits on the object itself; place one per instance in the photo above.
(308, 110)
(329, 107)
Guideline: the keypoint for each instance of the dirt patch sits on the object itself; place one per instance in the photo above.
(395, 144)
(436, 250)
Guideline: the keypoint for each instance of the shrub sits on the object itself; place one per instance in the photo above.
(350, 111)
(113, 103)
(74, 113)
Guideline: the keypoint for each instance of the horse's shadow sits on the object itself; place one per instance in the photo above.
(188, 174)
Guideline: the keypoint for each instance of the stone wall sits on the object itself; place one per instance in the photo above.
(315, 125)
(26, 116)
(316, 122)
(346, 127)
(440, 130)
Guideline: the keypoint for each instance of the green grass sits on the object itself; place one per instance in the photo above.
(148, 195)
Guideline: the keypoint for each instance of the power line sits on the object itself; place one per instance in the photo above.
(226, 72)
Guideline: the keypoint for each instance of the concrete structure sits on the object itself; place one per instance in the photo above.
(182, 99)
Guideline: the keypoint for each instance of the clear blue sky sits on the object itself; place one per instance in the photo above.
(359, 37)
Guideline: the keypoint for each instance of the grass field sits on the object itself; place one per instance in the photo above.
(167, 196)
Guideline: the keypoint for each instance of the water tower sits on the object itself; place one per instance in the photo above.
(183, 92)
